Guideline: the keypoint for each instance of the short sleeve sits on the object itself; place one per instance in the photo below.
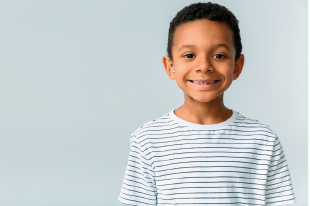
(279, 188)
(138, 187)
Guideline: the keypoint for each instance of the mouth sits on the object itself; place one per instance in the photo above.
(204, 81)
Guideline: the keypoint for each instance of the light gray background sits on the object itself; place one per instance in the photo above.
(78, 77)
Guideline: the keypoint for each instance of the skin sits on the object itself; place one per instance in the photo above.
(204, 57)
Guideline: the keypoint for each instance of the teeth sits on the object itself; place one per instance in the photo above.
(198, 82)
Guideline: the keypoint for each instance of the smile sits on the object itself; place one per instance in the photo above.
(204, 84)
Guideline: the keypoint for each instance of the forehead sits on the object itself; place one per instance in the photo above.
(203, 33)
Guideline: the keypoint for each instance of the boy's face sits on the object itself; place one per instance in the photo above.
(203, 50)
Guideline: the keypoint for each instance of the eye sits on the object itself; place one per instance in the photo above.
(219, 56)
(189, 56)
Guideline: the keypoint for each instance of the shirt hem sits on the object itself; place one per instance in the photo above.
(282, 203)
(126, 203)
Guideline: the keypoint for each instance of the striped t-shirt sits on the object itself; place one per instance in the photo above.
(175, 162)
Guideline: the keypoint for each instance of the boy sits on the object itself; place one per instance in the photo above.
(204, 153)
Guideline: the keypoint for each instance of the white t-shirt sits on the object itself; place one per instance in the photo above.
(175, 162)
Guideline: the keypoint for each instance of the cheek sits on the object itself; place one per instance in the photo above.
(181, 73)
(180, 79)
(229, 75)
(227, 71)
(228, 80)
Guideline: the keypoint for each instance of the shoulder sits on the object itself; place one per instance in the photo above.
(253, 124)
(152, 126)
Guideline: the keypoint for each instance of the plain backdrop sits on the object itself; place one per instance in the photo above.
(78, 77)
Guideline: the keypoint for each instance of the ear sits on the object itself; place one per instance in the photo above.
(238, 67)
(167, 64)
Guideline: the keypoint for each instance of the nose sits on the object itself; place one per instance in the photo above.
(204, 65)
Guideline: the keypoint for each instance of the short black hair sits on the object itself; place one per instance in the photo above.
(211, 11)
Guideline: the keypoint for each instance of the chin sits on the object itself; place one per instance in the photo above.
(203, 98)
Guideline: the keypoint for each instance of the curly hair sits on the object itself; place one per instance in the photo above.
(211, 11)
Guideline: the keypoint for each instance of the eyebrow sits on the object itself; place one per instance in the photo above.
(186, 46)
(216, 45)
(222, 45)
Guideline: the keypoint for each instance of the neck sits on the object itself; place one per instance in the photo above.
(212, 112)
